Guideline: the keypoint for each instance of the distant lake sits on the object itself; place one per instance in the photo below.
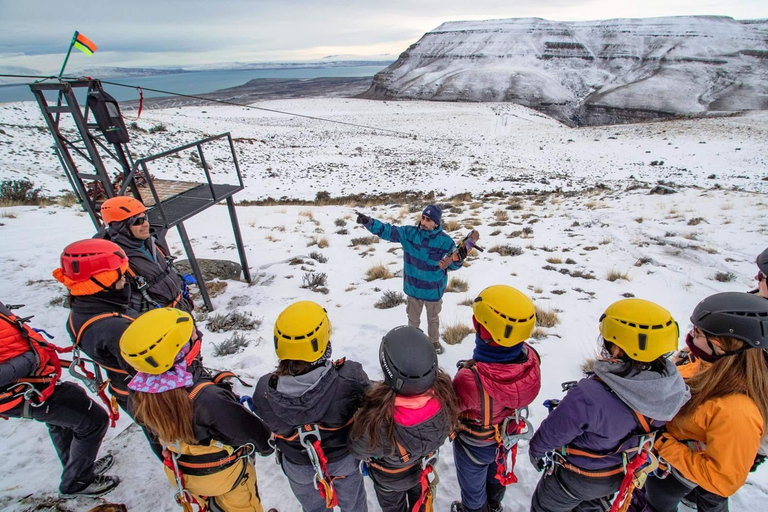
(199, 82)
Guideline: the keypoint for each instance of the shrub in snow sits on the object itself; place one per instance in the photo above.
(390, 299)
(231, 345)
(19, 191)
(232, 321)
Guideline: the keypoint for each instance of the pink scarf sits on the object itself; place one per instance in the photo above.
(176, 377)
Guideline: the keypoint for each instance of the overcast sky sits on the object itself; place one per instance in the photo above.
(136, 33)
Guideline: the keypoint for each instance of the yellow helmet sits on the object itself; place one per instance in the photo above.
(506, 313)
(152, 341)
(302, 332)
(642, 329)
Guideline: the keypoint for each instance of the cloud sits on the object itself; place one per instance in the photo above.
(174, 32)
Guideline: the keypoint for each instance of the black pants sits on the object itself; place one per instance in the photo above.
(663, 495)
(77, 426)
(565, 490)
(397, 501)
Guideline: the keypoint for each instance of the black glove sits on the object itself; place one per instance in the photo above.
(462, 252)
(537, 462)
(759, 459)
(362, 219)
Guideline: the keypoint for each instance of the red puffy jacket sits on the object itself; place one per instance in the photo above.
(511, 385)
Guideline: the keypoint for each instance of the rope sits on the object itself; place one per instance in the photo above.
(233, 103)
(264, 109)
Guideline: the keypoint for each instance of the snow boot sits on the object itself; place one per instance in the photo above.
(99, 487)
(457, 506)
(103, 464)
(438, 347)
(495, 492)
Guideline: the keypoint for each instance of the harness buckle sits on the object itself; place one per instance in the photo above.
(430, 460)
(510, 440)
(30, 393)
(309, 447)
(77, 372)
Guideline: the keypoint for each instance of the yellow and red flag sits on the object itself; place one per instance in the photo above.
(83, 44)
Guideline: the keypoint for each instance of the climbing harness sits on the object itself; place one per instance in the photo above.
(428, 477)
(507, 434)
(195, 460)
(634, 468)
(322, 481)
(17, 338)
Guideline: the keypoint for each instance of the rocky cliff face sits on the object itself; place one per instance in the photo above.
(587, 73)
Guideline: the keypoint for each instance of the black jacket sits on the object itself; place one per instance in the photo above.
(419, 440)
(219, 416)
(101, 340)
(331, 403)
(144, 258)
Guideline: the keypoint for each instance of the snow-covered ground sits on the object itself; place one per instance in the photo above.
(445, 147)
(669, 248)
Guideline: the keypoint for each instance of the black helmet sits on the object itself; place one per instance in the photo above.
(735, 314)
(408, 360)
(762, 262)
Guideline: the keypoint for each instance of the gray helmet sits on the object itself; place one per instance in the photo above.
(408, 360)
(735, 314)
(762, 262)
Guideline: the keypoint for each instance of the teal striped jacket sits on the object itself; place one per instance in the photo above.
(424, 279)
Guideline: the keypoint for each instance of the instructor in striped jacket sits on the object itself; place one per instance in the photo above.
(429, 255)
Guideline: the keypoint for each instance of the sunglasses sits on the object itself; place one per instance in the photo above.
(138, 221)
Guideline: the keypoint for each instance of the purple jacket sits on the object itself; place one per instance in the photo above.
(589, 417)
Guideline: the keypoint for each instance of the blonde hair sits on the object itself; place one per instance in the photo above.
(168, 415)
(745, 372)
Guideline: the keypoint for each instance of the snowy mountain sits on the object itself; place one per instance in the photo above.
(592, 72)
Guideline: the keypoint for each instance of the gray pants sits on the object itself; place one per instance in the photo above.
(347, 481)
(413, 309)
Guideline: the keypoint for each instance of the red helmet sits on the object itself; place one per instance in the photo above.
(84, 259)
(120, 208)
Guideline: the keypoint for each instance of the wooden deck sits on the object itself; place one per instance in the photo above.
(166, 189)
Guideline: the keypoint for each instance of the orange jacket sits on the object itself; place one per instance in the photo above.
(688, 370)
(730, 429)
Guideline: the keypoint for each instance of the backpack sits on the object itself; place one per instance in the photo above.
(16, 338)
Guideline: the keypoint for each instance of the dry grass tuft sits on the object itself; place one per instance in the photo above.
(322, 243)
(377, 271)
(554, 260)
(546, 317)
(615, 275)
(451, 225)
(456, 284)
(467, 301)
(501, 215)
(454, 334)
(538, 333)
(588, 365)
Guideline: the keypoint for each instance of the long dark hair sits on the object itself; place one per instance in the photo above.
(630, 366)
(293, 367)
(378, 410)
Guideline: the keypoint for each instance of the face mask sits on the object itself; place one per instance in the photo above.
(711, 358)
(696, 351)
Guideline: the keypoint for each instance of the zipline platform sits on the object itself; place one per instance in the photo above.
(101, 132)
(166, 189)
(179, 207)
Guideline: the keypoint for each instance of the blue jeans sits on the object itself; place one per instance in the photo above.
(477, 478)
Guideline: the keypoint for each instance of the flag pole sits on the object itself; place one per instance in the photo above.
(71, 45)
